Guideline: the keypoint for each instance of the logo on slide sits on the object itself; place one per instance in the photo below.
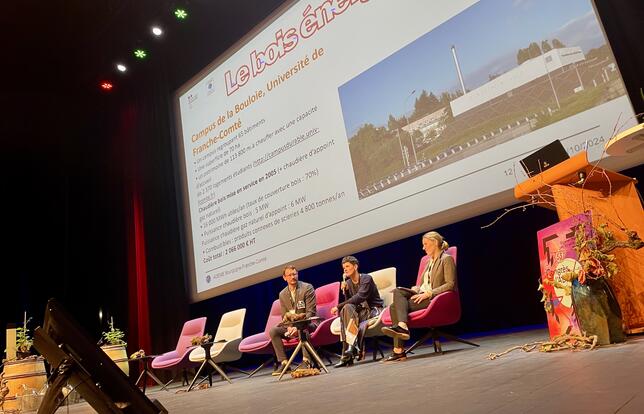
(191, 99)
(210, 86)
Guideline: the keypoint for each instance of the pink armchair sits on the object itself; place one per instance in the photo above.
(444, 309)
(178, 358)
(326, 297)
(260, 343)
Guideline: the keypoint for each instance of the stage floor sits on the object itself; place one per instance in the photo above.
(462, 380)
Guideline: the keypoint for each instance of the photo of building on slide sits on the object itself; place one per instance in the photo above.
(498, 70)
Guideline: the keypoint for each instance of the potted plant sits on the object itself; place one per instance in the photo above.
(23, 341)
(25, 372)
(113, 344)
(113, 336)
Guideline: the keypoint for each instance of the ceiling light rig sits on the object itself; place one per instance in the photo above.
(157, 30)
(140, 54)
(181, 14)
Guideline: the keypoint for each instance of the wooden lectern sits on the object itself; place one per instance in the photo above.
(573, 187)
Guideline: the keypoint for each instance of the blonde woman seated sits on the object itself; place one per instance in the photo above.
(439, 276)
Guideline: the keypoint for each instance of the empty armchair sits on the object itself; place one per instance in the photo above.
(326, 297)
(178, 358)
(260, 343)
(226, 342)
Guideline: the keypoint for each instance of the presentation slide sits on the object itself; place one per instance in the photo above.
(341, 125)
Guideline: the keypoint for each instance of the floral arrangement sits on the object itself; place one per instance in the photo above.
(138, 354)
(593, 252)
(198, 340)
(595, 263)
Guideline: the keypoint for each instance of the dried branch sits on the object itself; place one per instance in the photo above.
(558, 343)
(546, 199)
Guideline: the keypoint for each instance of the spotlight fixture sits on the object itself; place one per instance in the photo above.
(181, 14)
(121, 67)
(140, 53)
(156, 30)
(106, 85)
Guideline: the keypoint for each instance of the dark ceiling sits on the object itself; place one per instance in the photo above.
(67, 45)
(56, 53)
(66, 147)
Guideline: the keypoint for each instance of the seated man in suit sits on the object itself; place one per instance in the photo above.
(298, 300)
(439, 276)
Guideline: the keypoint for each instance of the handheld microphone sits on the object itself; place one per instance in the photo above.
(343, 287)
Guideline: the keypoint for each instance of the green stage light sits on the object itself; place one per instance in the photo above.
(181, 14)
(140, 53)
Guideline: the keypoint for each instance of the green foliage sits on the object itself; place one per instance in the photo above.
(114, 336)
(375, 153)
(23, 340)
(600, 53)
(418, 136)
(522, 56)
(574, 104)
(545, 46)
(557, 44)
(392, 123)
(532, 51)
(425, 104)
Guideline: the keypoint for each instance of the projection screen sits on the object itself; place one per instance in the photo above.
(341, 125)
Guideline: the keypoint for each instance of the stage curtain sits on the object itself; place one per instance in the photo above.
(139, 320)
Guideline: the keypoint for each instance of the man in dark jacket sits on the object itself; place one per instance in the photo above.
(362, 302)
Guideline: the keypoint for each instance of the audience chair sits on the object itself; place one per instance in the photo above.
(443, 310)
(226, 342)
(178, 358)
(385, 280)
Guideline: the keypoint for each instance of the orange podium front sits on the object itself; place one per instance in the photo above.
(573, 187)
